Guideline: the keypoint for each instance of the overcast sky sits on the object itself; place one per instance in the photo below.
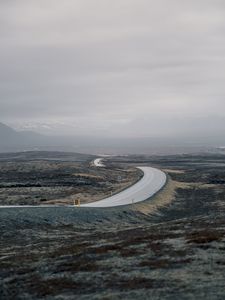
(126, 67)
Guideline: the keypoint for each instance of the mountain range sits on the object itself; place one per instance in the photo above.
(14, 141)
(11, 140)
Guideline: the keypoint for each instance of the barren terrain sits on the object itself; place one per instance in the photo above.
(169, 247)
(54, 179)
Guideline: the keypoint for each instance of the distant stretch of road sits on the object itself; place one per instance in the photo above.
(98, 162)
(152, 181)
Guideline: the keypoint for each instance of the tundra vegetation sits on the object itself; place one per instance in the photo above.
(174, 251)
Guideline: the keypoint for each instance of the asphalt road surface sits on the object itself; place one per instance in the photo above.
(152, 181)
(98, 162)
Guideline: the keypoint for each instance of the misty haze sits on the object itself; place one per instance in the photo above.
(106, 69)
(112, 149)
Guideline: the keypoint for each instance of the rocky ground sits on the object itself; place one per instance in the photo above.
(171, 249)
(58, 178)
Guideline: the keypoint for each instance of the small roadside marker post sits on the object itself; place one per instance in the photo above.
(77, 202)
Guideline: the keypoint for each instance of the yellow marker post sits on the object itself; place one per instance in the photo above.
(77, 202)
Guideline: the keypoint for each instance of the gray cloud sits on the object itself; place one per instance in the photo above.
(100, 66)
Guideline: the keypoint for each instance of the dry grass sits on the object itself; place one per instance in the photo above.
(164, 263)
(204, 236)
(52, 286)
(87, 175)
(163, 198)
(135, 283)
(173, 171)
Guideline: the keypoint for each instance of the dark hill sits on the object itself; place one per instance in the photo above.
(8, 136)
(11, 139)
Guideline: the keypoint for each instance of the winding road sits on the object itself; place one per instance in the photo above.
(152, 181)
(98, 162)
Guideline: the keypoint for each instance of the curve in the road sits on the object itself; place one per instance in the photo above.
(152, 181)
(98, 162)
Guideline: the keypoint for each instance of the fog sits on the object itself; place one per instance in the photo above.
(128, 68)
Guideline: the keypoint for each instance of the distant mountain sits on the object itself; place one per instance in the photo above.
(8, 136)
(11, 140)
(15, 141)
(6, 131)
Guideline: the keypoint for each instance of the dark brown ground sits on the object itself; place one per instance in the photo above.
(177, 252)
(58, 180)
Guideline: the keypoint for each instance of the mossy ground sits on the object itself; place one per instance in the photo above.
(176, 252)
